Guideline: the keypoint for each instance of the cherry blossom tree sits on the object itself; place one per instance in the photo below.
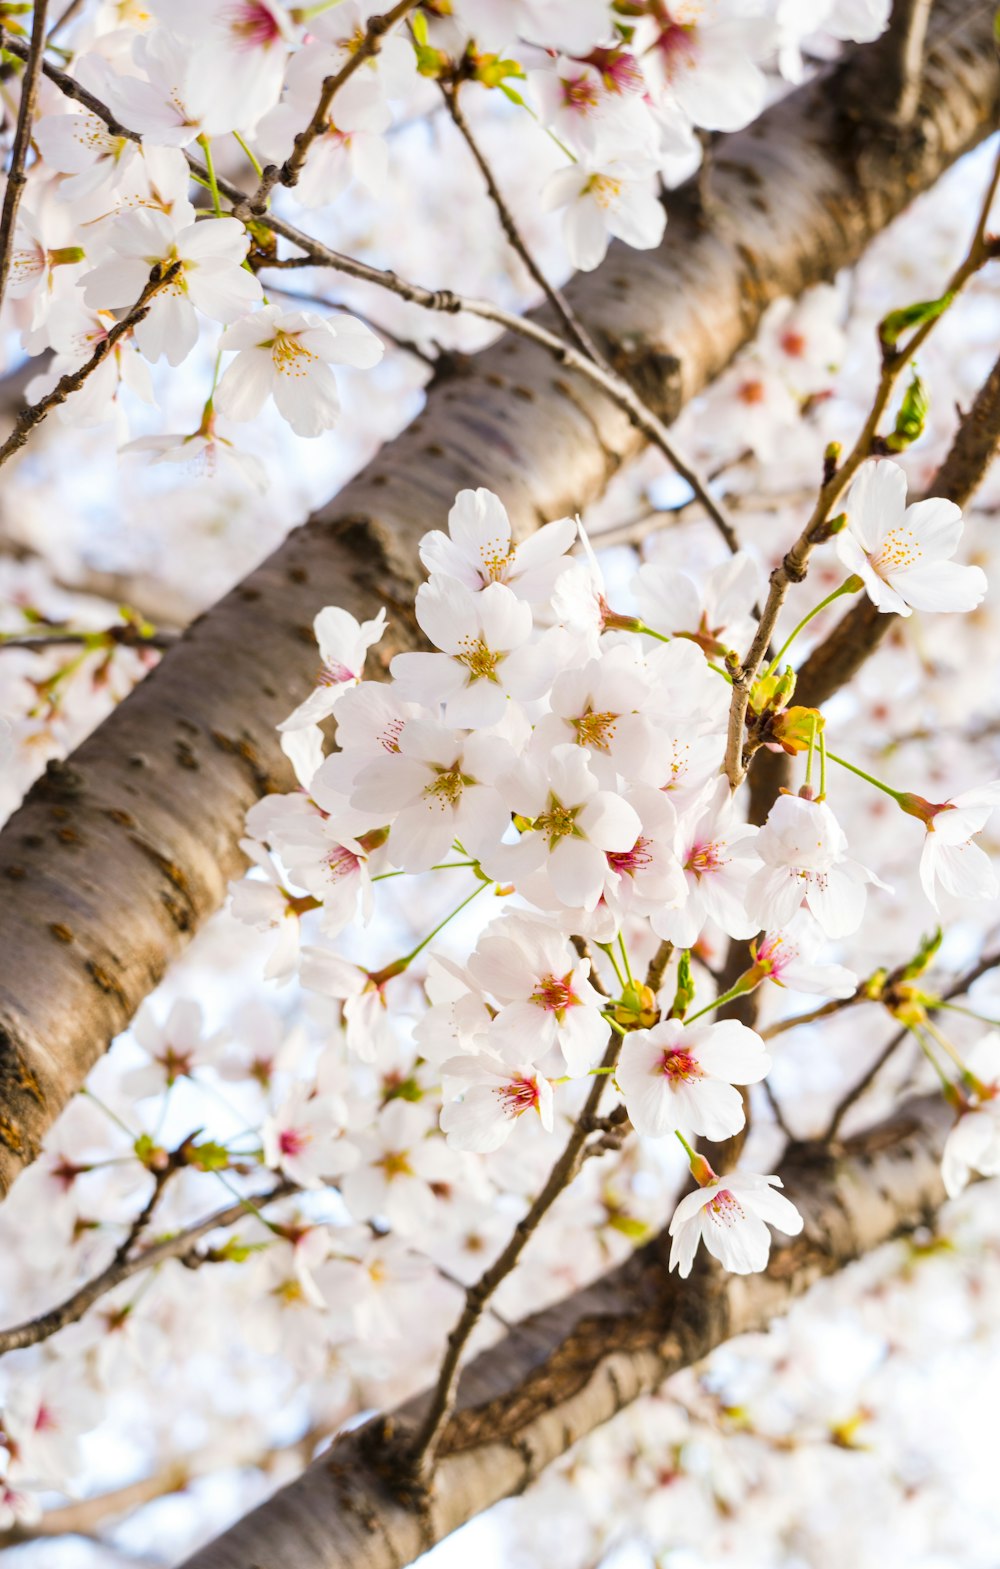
(470, 956)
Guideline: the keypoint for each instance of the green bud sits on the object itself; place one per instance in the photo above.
(911, 417)
(892, 327)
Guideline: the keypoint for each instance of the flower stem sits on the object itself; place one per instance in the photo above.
(870, 778)
(204, 142)
(624, 953)
(742, 987)
(849, 586)
(251, 155)
(408, 959)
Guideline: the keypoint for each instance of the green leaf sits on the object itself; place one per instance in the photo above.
(492, 71)
(209, 1156)
(635, 1230)
(896, 323)
(924, 956)
(911, 417)
(684, 995)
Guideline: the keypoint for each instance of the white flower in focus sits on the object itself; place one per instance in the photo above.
(570, 825)
(211, 278)
(731, 1216)
(701, 53)
(716, 613)
(903, 554)
(303, 1138)
(287, 355)
(494, 1094)
(487, 653)
(438, 786)
(343, 646)
(788, 958)
(949, 858)
(804, 850)
(238, 49)
(542, 987)
(616, 200)
(683, 1076)
(717, 853)
(479, 548)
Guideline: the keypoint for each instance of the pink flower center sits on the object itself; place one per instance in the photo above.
(555, 995)
(725, 1209)
(342, 862)
(389, 737)
(334, 674)
(679, 1067)
(519, 1096)
(252, 24)
(793, 343)
(620, 71)
(45, 1420)
(703, 858)
(676, 47)
(293, 1141)
(631, 861)
(580, 94)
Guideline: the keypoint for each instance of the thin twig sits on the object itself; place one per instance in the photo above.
(123, 1266)
(114, 637)
(288, 173)
(795, 564)
(70, 12)
(571, 325)
(16, 177)
(445, 300)
(422, 1452)
(160, 278)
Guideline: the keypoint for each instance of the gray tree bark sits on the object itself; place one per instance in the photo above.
(119, 854)
(562, 1373)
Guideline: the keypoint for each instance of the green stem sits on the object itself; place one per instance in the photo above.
(408, 959)
(109, 1113)
(849, 586)
(822, 766)
(931, 1058)
(251, 155)
(969, 1013)
(606, 947)
(624, 954)
(204, 142)
(809, 759)
(869, 778)
(443, 866)
(730, 996)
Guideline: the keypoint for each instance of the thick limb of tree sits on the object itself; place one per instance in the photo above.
(572, 1367)
(119, 854)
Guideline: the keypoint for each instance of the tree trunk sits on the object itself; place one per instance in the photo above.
(119, 854)
(565, 1371)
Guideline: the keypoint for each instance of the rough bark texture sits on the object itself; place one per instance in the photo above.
(567, 1370)
(119, 854)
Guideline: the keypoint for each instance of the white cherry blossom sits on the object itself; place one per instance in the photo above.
(804, 850)
(286, 355)
(343, 646)
(974, 1142)
(731, 1217)
(494, 1094)
(303, 1138)
(545, 997)
(718, 856)
(611, 200)
(683, 1076)
(487, 656)
(570, 825)
(211, 278)
(479, 548)
(950, 860)
(903, 553)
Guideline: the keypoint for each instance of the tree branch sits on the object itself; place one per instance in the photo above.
(795, 564)
(160, 278)
(130, 844)
(570, 1368)
(16, 177)
(127, 1263)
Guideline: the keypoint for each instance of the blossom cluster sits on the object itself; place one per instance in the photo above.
(570, 758)
(623, 90)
